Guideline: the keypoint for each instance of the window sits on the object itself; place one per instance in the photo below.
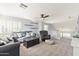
(7, 26)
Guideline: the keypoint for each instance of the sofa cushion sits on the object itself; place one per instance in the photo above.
(4, 40)
(33, 34)
(23, 34)
(15, 39)
(28, 35)
(19, 35)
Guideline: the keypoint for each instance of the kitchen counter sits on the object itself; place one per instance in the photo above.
(75, 42)
(75, 45)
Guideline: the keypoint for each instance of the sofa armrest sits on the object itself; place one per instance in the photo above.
(9, 46)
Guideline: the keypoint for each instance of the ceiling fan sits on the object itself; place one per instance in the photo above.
(44, 16)
(41, 17)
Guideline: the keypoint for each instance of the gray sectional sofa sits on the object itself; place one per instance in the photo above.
(10, 49)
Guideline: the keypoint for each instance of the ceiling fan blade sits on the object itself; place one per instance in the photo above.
(23, 5)
(46, 16)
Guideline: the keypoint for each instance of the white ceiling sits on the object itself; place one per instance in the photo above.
(56, 11)
(60, 13)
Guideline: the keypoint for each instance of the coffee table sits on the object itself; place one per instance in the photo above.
(29, 42)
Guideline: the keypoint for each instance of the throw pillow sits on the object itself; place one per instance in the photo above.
(28, 35)
(19, 35)
(4, 39)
